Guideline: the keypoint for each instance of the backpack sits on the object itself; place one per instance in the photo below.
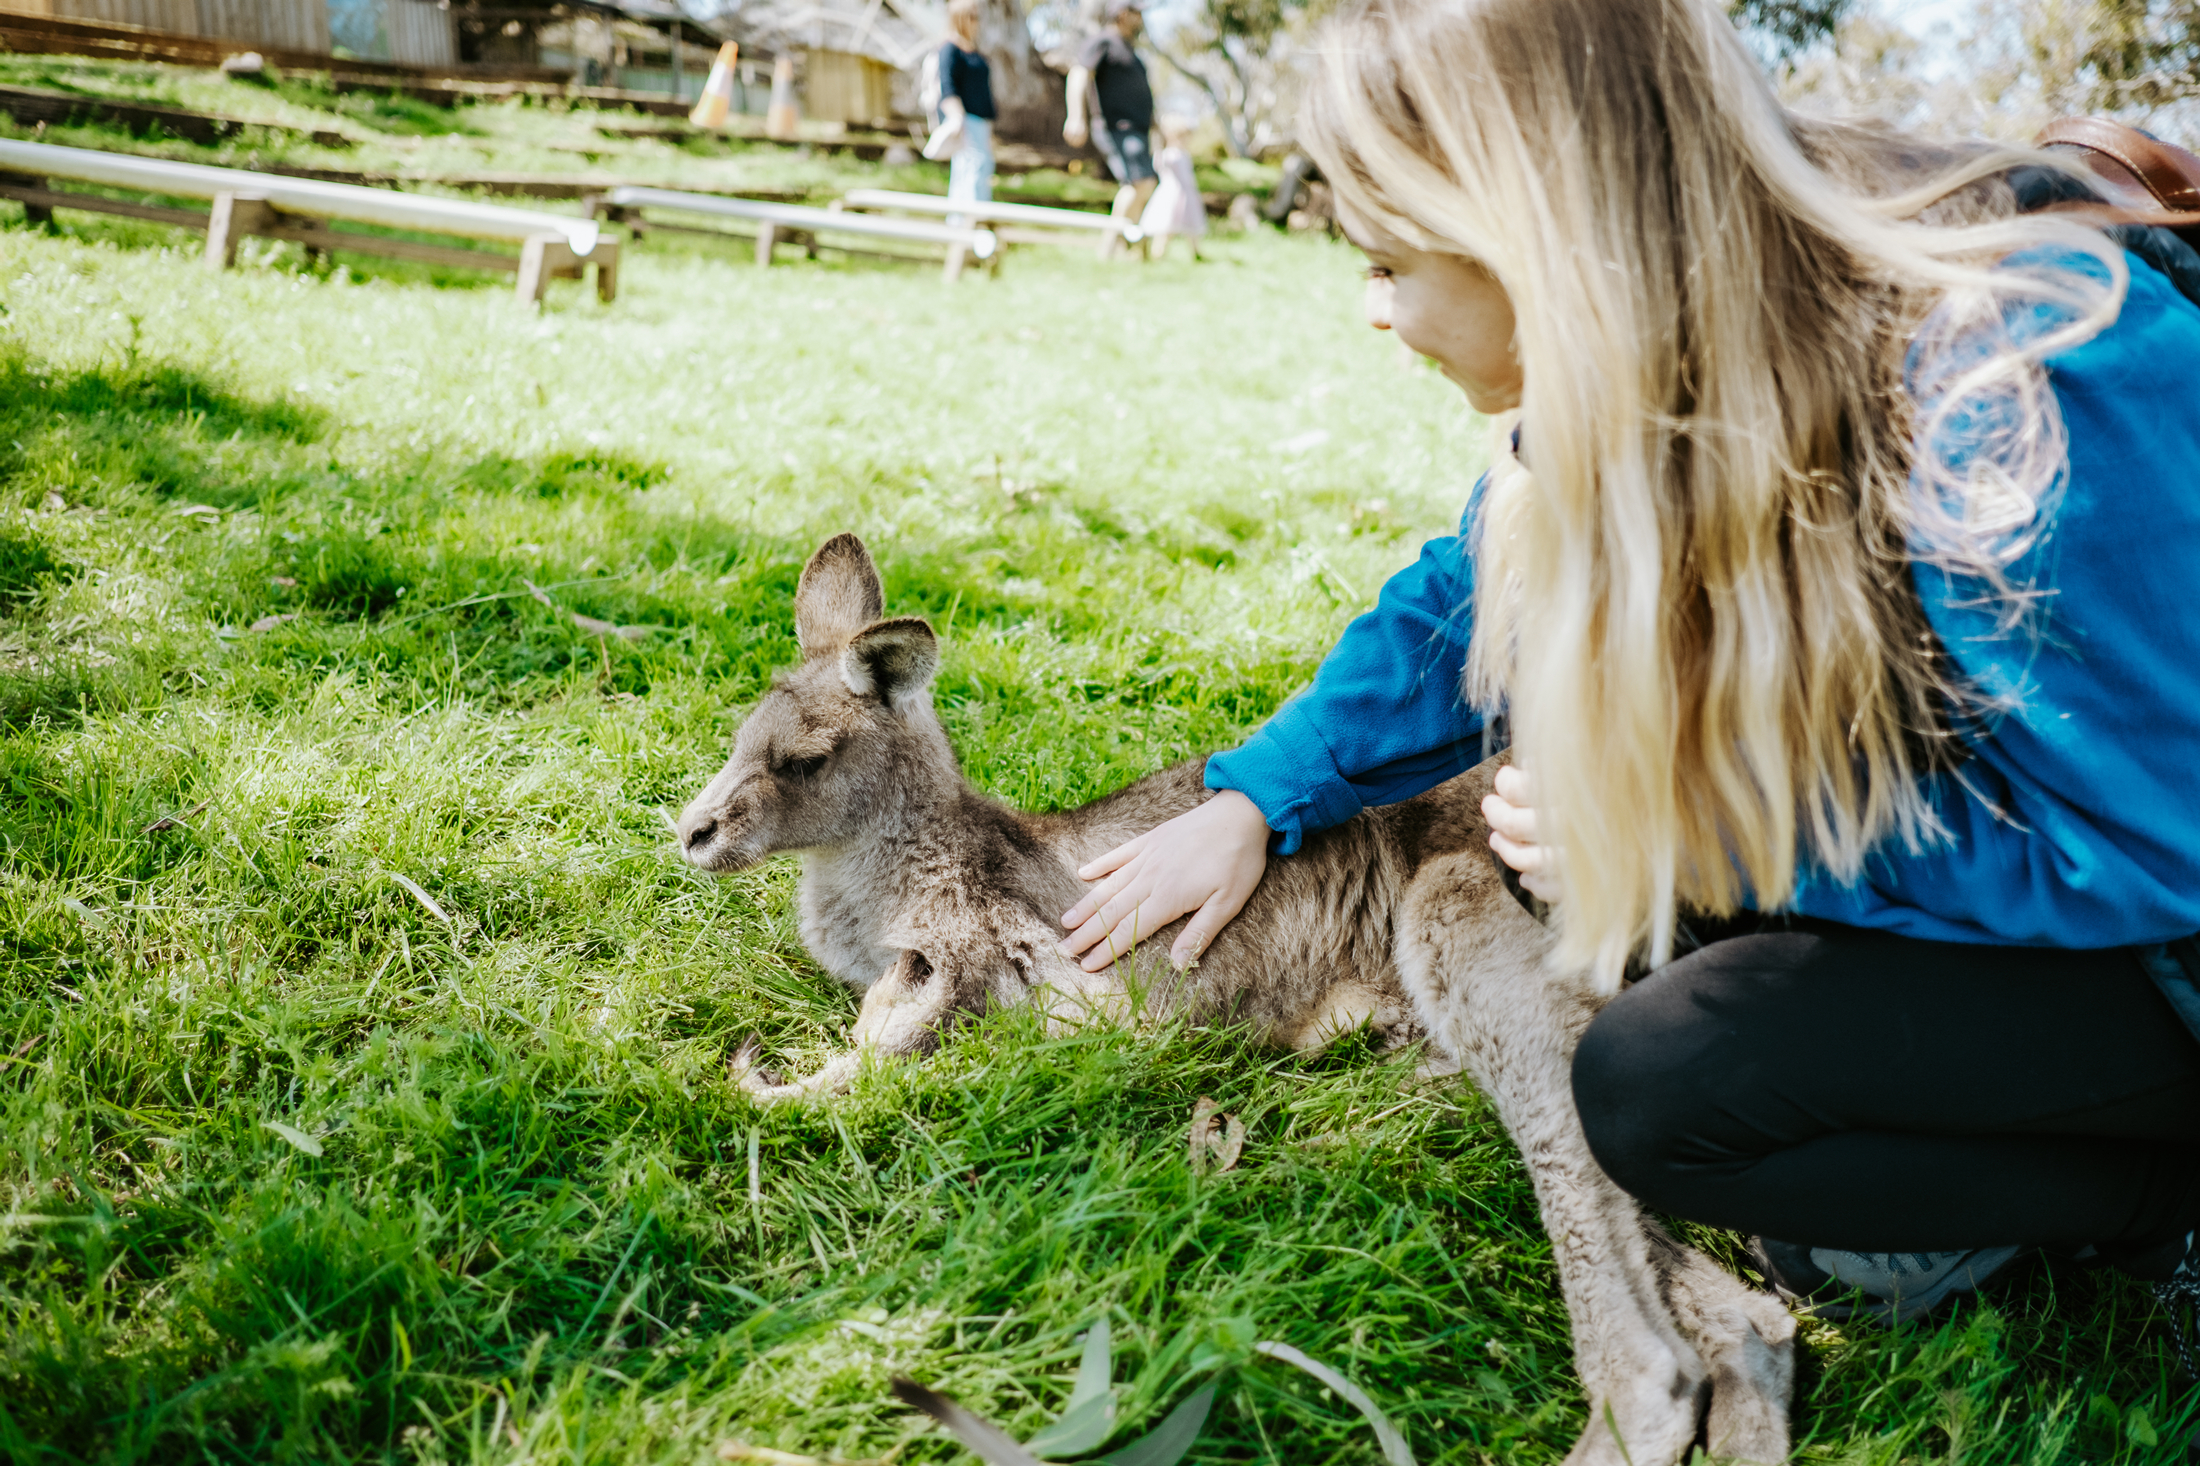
(2151, 188)
(929, 89)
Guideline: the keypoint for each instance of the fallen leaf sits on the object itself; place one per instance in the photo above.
(170, 821)
(595, 627)
(269, 623)
(294, 1135)
(283, 580)
(1216, 1138)
(421, 896)
(1395, 1450)
(1167, 1443)
(986, 1440)
(589, 624)
(54, 503)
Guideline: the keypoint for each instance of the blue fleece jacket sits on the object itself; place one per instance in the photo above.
(2075, 821)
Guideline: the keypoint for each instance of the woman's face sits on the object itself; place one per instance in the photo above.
(1448, 309)
(966, 28)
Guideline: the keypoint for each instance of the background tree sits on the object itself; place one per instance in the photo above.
(1244, 54)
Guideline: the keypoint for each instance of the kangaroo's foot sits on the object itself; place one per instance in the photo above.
(770, 1086)
(1652, 1418)
(1747, 1339)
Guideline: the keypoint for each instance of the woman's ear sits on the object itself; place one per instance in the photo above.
(891, 660)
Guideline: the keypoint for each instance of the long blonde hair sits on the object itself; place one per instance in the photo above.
(1693, 593)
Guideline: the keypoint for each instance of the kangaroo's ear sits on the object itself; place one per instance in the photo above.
(838, 596)
(889, 660)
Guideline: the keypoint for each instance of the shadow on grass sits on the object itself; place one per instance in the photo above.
(160, 428)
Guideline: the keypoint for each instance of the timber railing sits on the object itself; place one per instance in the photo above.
(301, 209)
(1018, 223)
(774, 224)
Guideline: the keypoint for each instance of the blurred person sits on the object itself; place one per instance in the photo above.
(1833, 596)
(1176, 209)
(964, 127)
(1109, 69)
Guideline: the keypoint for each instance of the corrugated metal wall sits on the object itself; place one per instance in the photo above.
(421, 33)
(300, 25)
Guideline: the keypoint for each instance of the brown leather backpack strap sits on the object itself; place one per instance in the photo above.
(2104, 215)
(2167, 172)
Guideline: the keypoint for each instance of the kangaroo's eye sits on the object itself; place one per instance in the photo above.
(801, 768)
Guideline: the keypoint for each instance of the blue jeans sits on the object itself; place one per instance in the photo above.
(970, 171)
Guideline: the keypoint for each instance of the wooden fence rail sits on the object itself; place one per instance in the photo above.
(302, 209)
(772, 222)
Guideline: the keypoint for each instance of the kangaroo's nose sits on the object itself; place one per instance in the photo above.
(698, 837)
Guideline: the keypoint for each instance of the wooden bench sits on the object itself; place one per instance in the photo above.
(300, 209)
(775, 224)
(1021, 223)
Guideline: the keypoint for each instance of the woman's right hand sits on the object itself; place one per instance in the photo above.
(1207, 860)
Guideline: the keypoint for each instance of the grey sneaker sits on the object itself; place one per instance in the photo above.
(1902, 1285)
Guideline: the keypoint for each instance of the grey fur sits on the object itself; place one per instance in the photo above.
(939, 902)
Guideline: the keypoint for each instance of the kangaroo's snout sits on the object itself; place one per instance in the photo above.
(712, 828)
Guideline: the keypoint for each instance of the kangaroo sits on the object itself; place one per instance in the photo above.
(939, 903)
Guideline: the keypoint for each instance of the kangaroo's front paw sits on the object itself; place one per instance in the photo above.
(770, 1086)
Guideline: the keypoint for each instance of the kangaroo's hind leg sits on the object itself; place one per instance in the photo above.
(1747, 1339)
(1473, 962)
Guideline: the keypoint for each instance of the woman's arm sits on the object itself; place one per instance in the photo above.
(1382, 722)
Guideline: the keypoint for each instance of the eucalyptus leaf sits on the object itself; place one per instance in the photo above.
(294, 1135)
(986, 1440)
(1393, 1442)
(1081, 1428)
(1089, 1417)
(1095, 1369)
(1168, 1442)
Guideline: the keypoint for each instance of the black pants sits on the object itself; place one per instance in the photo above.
(1843, 1088)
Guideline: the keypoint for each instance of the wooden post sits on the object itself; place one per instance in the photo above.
(606, 256)
(766, 236)
(541, 257)
(38, 216)
(955, 253)
(235, 215)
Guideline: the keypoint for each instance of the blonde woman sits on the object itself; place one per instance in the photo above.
(1839, 597)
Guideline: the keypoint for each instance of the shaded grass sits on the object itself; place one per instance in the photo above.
(530, 1231)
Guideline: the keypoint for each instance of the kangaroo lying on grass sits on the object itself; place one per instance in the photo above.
(939, 902)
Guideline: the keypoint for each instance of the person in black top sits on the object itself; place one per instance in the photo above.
(966, 96)
(1108, 67)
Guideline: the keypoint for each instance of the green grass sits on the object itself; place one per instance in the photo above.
(529, 1233)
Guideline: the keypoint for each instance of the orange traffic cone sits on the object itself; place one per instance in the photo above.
(781, 120)
(717, 99)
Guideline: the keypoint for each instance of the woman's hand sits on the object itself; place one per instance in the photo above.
(1511, 813)
(1206, 860)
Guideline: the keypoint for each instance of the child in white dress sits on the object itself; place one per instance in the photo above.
(1176, 208)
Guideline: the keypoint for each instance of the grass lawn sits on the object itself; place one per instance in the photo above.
(362, 1044)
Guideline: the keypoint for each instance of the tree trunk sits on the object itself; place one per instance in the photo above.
(1026, 91)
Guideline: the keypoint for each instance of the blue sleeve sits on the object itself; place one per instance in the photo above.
(2076, 818)
(1383, 720)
